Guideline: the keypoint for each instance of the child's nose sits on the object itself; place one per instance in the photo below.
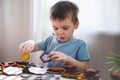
(60, 32)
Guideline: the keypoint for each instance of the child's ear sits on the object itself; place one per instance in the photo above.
(76, 24)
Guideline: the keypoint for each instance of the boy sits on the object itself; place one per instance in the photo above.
(62, 46)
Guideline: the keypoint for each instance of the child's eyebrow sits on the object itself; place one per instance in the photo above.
(54, 26)
(65, 26)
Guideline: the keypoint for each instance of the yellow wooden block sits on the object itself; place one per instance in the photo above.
(25, 56)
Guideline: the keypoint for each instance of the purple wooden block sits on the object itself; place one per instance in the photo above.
(41, 57)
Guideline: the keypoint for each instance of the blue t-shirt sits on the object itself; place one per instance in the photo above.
(75, 48)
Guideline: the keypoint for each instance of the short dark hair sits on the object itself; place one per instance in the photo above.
(62, 9)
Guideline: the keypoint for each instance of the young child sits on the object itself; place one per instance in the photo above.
(63, 47)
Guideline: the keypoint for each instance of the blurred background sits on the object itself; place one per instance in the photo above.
(21, 20)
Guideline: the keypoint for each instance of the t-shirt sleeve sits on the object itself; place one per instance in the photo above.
(42, 45)
(83, 53)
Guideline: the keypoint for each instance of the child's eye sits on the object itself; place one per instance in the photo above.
(55, 28)
(65, 28)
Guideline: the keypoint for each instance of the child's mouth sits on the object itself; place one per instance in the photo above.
(62, 38)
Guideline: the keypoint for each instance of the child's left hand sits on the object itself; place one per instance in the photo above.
(58, 56)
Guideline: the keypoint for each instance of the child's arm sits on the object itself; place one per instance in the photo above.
(81, 65)
(59, 56)
(28, 46)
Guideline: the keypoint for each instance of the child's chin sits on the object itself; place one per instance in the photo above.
(63, 40)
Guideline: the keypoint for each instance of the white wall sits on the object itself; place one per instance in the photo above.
(15, 27)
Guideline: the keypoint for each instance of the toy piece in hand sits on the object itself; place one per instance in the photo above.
(42, 57)
(25, 56)
(92, 74)
(55, 69)
(70, 72)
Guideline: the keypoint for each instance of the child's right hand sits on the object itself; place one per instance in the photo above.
(27, 46)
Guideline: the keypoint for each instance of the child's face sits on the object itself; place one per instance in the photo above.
(63, 29)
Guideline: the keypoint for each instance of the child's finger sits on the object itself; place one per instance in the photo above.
(53, 55)
(58, 59)
(21, 48)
